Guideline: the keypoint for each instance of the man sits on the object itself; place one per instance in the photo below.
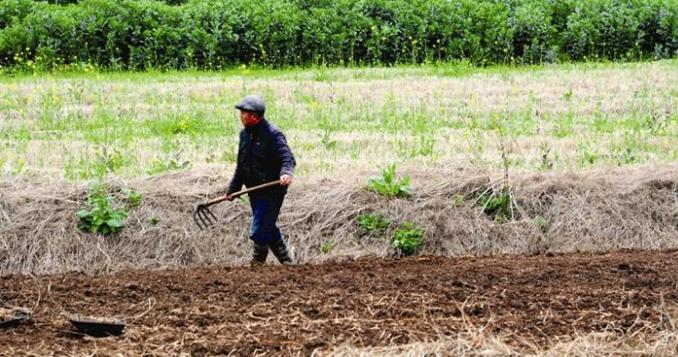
(263, 156)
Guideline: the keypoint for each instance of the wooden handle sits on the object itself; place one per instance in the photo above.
(241, 192)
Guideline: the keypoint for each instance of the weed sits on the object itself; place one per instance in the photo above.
(497, 205)
(327, 247)
(623, 156)
(586, 154)
(546, 163)
(19, 167)
(541, 223)
(388, 185)
(373, 223)
(326, 140)
(321, 74)
(602, 124)
(154, 220)
(107, 160)
(426, 146)
(408, 239)
(169, 162)
(476, 144)
(132, 197)
(102, 215)
(564, 127)
(458, 200)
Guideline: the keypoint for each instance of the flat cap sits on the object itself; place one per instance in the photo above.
(252, 103)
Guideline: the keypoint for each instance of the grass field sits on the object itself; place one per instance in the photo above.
(526, 266)
(84, 124)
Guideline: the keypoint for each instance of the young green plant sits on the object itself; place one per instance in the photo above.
(389, 185)
(408, 239)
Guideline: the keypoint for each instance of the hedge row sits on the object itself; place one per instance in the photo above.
(137, 34)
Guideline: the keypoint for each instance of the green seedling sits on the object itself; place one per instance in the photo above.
(408, 239)
(390, 186)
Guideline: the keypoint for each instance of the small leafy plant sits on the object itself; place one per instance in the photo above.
(458, 200)
(108, 160)
(169, 163)
(154, 220)
(388, 185)
(102, 216)
(373, 223)
(132, 197)
(326, 140)
(545, 163)
(327, 247)
(408, 239)
(103, 213)
(497, 205)
(541, 223)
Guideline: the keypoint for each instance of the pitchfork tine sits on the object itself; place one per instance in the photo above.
(206, 217)
(203, 217)
(196, 219)
(208, 222)
(212, 214)
(199, 217)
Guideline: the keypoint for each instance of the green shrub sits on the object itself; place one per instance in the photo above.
(60, 2)
(534, 33)
(15, 11)
(388, 185)
(213, 34)
(613, 29)
(103, 215)
(373, 223)
(408, 239)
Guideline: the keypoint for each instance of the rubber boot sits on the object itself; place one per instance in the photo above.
(281, 251)
(259, 254)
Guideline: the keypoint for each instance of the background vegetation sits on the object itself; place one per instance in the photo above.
(213, 34)
(81, 126)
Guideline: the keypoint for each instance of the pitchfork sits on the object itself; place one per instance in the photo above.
(204, 218)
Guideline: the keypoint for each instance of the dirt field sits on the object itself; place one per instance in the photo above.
(363, 303)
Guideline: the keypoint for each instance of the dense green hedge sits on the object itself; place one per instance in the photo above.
(139, 34)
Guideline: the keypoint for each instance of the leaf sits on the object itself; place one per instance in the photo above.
(115, 223)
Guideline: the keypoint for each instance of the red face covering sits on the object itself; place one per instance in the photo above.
(249, 119)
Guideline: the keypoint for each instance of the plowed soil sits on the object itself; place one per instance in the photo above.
(300, 309)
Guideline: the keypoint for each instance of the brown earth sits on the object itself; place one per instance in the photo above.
(306, 308)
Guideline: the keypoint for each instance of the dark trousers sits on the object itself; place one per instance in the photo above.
(265, 211)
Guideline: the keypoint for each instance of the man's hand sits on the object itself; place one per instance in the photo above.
(230, 198)
(285, 180)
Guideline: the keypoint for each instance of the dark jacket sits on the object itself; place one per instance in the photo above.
(263, 156)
